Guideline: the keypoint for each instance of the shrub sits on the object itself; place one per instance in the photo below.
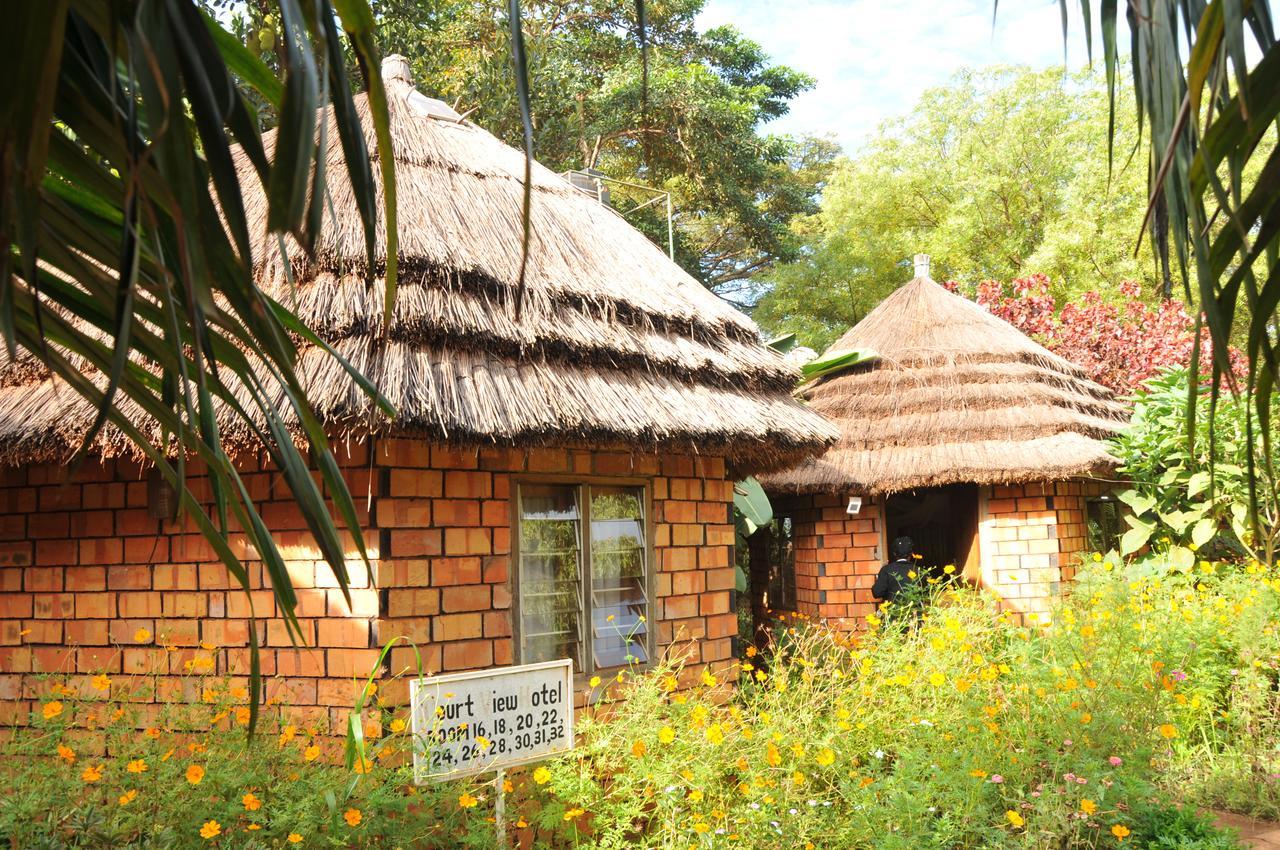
(1181, 495)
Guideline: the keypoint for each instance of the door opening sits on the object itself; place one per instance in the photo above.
(942, 523)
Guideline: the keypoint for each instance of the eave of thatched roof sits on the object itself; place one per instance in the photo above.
(615, 345)
(955, 395)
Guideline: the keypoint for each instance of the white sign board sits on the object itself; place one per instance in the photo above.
(484, 720)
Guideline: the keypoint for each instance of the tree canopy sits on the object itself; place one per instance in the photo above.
(1001, 174)
(697, 130)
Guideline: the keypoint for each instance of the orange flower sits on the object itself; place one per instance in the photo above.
(195, 773)
(51, 709)
(101, 682)
(467, 801)
(1120, 831)
(66, 754)
(141, 636)
(352, 817)
(92, 773)
(128, 797)
(211, 829)
(295, 838)
(1088, 806)
(137, 766)
(251, 803)
(638, 749)
(311, 753)
(1168, 731)
(152, 732)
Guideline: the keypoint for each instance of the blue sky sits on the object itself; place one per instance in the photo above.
(873, 58)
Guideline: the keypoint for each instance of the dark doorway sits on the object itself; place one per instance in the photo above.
(942, 522)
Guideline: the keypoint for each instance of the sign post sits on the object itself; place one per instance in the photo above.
(469, 723)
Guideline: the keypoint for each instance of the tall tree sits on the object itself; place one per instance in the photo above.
(1002, 173)
(688, 115)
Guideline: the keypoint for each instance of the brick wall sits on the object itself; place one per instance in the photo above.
(1030, 539)
(837, 555)
(1032, 536)
(84, 570)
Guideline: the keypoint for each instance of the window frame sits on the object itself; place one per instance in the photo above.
(788, 575)
(583, 485)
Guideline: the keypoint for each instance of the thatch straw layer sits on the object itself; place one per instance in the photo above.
(614, 344)
(956, 395)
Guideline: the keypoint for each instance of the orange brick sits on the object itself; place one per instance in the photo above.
(468, 655)
(347, 663)
(409, 543)
(456, 513)
(448, 571)
(137, 604)
(447, 627)
(404, 513)
(466, 598)
(467, 541)
(468, 485)
(94, 605)
(417, 482)
(343, 632)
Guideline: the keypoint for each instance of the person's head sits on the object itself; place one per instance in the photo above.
(901, 548)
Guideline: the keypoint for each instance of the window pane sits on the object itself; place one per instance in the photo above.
(550, 574)
(619, 577)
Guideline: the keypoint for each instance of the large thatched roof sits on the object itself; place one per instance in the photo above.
(616, 345)
(956, 395)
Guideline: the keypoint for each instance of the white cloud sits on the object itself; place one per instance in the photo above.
(872, 59)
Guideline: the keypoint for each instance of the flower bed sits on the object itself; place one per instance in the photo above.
(960, 729)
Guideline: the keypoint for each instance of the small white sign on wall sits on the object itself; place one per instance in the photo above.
(468, 723)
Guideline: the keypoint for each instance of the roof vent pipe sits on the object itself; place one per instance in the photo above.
(922, 265)
(396, 67)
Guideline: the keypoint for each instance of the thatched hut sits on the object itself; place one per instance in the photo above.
(963, 433)
(617, 409)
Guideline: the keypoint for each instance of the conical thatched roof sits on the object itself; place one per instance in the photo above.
(616, 345)
(956, 395)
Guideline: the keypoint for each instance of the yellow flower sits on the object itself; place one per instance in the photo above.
(1015, 819)
(295, 838)
(825, 757)
(91, 773)
(1088, 806)
(638, 749)
(1120, 831)
(101, 682)
(362, 765)
(251, 802)
(798, 778)
(715, 734)
(195, 773)
(242, 715)
(666, 734)
(352, 817)
(708, 679)
(695, 796)
(51, 709)
(128, 797)
(66, 754)
(949, 569)
(397, 726)
(467, 801)
(288, 734)
(141, 636)
(211, 829)
(701, 827)
(573, 813)
(1168, 731)
(137, 766)
(937, 679)
(541, 776)
(311, 753)
(593, 682)
(253, 827)
(772, 756)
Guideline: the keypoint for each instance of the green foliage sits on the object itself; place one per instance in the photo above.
(1194, 496)
(696, 131)
(129, 267)
(1178, 828)
(999, 175)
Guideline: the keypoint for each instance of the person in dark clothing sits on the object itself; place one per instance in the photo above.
(895, 575)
